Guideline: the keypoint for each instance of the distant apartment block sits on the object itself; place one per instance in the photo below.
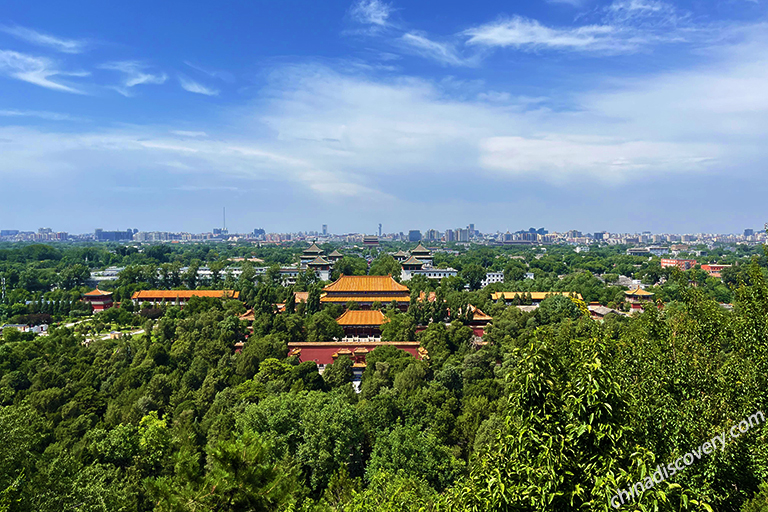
(681, 264)
(492, 277)
(114, 236)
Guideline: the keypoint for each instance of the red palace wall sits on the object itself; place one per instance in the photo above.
(322, 353)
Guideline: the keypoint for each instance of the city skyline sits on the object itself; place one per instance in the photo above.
(430, 234)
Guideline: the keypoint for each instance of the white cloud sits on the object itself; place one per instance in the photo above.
(35, 70)
(134, 74)
(574, 3)
(50, 116)
(42, 39)
(445, 53)
(213, 73)
(185, 133)
(612, 160)
(623, 11)
(524, 33)
(371, 12)
(196, 87)
(625, 26)
(410, 128)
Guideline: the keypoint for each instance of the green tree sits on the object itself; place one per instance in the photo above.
(473, 275)
(385, 265)
(244, 475)
(418, 454)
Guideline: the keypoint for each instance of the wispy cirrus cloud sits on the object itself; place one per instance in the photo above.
(624, 26)
(625, 11)
(371, 12)
(526, 33)
(443, 52)
(40, 114)
(574, 3)
(189, 134)
(196, 87)
(134, 74)
(42, 39)
(213, 73)
(36, 70)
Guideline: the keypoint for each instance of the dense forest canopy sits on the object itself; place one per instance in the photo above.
(552, 411)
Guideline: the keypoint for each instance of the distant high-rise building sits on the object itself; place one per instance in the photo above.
(114, 236)
(471, 230)
(450, 236)
(432, 235)
(325, 229)
(462, 235)
(414, 235)
(379, 229)
(749, 232)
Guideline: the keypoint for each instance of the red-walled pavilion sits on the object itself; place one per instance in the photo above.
(98, 299)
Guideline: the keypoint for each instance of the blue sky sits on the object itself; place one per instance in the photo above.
(624, 116)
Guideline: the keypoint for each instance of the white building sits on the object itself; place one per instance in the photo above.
(429, 273)
(492, 277)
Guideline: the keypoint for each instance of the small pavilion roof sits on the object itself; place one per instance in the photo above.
(335, 254)
(319, 261)
(412, 261)
(420, 249)
(478, 315)
(313, 249)
(97, 293)
(639, 292)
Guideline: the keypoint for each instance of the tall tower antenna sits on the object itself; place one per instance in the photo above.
(225, 218)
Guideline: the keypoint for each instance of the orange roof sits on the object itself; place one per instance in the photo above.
(534, 295)
(301, 296)
(183, 294)
(384, 299)
(638, 291)
(365, 284)
(248, 316)
(362, 317)
(97, 293)
(478, 315)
